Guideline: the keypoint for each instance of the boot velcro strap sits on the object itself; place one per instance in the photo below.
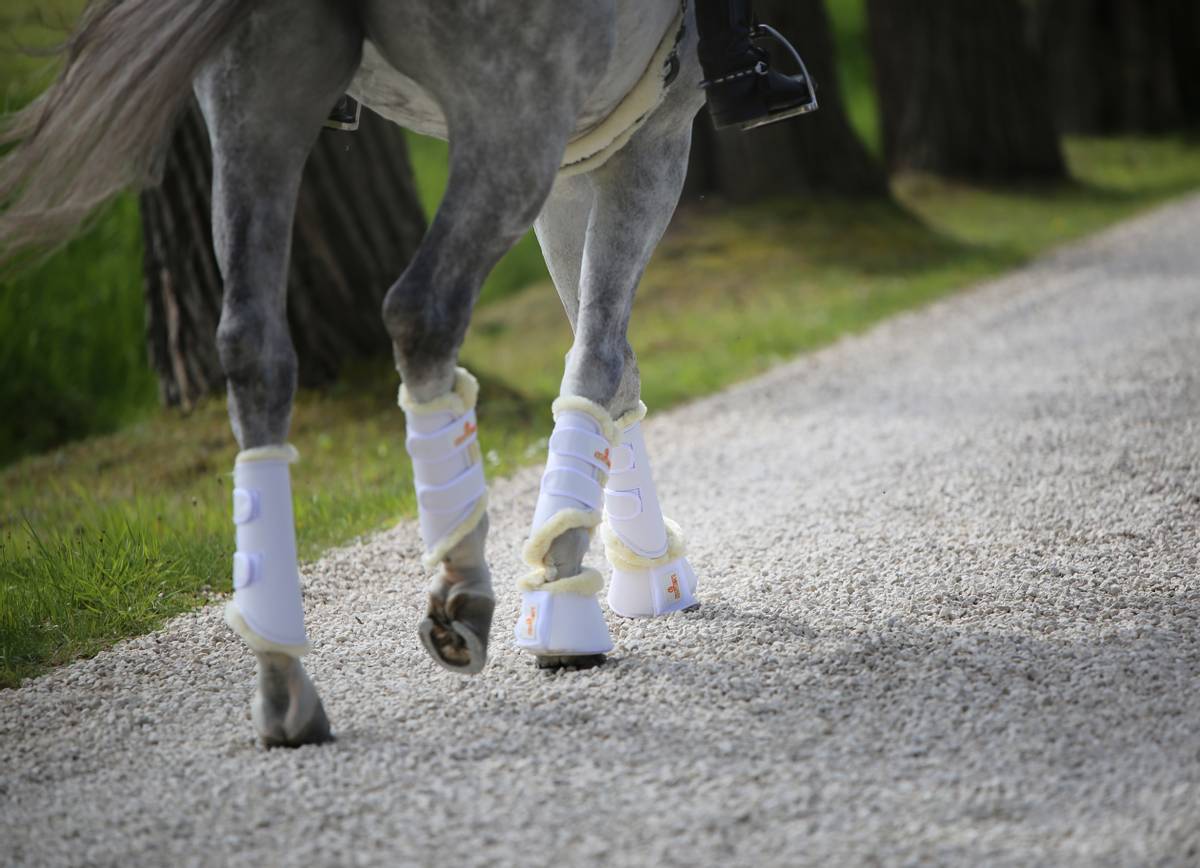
(622, 459)
(245, 505)
(575, 484)
(444, 442)
(583, 446)
(247, 569)
(455, 495)
(622, 505)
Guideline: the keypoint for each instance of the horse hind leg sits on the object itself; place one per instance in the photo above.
(263, 113)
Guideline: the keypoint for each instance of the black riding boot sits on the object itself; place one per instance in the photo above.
(345, 114)
(742, 88)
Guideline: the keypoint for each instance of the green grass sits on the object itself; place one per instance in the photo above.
(71, 330)
(109, 536)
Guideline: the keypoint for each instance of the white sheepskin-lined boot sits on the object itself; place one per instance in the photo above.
(561, 615)
(447, 464)
(266, 609)
(651, 576)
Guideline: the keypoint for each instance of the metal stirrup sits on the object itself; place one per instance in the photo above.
(761, 30)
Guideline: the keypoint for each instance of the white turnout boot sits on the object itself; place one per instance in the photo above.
(447, 466)
(650, 576)
(266, 609)
(560, 615)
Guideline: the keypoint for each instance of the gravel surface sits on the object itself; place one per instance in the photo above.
(950, 603)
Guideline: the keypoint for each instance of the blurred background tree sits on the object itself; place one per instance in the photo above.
(1121, 66)
(962, 92)
(975, 90)
(820, 153)
(358, 221)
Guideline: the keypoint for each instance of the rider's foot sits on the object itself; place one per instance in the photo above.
(747, 93)
(345, 114)
(742, 88)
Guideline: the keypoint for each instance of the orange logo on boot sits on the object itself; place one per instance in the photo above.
(529, 622)
(468, 430)
(603, 456)
(673, 588)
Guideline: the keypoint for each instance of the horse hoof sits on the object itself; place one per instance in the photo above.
(315, 731)
(455, 631)
(287, 712)
(570, 661)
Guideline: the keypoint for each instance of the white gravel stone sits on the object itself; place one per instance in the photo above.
(950, 616)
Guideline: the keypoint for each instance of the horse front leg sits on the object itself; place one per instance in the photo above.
(261, 131)
(598, 472)
(481, 216)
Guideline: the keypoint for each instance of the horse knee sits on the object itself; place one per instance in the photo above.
(426, 327)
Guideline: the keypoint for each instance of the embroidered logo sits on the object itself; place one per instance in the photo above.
(530, 621)
(603, 456)
(468, 430)
(673, 588)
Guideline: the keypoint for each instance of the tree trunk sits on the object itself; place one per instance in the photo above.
(1118, 66)
(358, 221)
(815, 153)
(961, 91)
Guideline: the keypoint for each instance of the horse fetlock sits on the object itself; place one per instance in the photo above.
(286, 710)
(651, 574)
(458, 623)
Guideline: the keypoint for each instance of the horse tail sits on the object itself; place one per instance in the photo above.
(104, 122)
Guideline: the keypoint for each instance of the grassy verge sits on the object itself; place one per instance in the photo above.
(107, 537)
(71, 330)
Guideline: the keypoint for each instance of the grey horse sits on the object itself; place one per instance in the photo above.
(572, 116)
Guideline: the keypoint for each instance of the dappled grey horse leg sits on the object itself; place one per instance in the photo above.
(501, 169)
(631, 201)
(264, 111)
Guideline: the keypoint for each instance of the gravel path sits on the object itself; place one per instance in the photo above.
(950, 600)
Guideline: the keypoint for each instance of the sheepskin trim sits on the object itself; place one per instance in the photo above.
(620, 555)
(593, 149)
(257, 643)
(438, 553)
(458, 400)
(577, 404)
(536, 547)
(627, 420)
(588, 583)
(286, 452)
